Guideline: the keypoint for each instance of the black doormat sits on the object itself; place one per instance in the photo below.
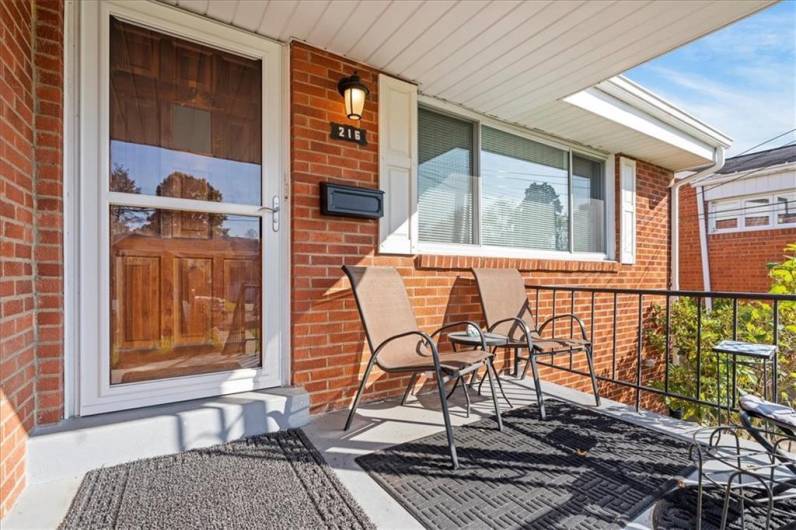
(576, 469)
(677, 511)
(271, 481)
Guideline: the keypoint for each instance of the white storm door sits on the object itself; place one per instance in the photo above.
(181, 258)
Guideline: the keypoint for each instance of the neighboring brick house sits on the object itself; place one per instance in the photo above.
(747, 217)
(161, 238)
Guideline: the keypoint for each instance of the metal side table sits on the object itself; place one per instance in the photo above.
(493, 342)
(752, 354)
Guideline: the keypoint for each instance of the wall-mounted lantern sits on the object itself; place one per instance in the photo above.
(354, 92)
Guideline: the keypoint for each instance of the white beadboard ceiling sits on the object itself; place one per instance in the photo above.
(511, 59)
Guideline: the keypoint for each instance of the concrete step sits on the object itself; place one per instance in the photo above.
(78, 445)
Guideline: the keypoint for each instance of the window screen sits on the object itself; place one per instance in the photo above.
(786, 209)
(588, 216)
(756, 212)
(524, 192)
(445, 190)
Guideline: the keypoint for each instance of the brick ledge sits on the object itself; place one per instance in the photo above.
(432, 261)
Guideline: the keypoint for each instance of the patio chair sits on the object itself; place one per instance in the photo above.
(398, 346)
(765, 475)
(507, 312)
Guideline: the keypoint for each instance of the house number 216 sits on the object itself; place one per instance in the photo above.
(348, 133)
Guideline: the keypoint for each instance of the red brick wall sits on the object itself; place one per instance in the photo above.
(738, 260)
(329, 349)
(31, 52)
(690, 249)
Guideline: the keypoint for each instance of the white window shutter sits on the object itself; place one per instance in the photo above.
(628, 210)
(397, 164)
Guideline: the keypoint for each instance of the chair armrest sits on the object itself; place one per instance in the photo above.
(567, 315)
(521, 323)
(463, 323)
(426, 338)
(423, 335)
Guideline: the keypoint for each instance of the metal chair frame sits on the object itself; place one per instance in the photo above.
(771, 472)
(442, 374)
(530, 360)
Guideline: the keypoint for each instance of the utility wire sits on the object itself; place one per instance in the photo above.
(751, 173)
(769, 207)
(766, 142)
(759, 213)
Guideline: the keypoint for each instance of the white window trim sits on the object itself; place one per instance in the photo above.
(86, 390)
(737, 206)
(491, 251)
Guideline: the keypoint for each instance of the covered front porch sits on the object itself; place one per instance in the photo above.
(384, 424)
(200, 298)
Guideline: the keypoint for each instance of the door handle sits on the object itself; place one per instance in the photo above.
(274, 209)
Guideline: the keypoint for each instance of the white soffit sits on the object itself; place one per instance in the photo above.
(506, 58)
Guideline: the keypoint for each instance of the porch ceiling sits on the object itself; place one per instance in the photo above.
(506, 58)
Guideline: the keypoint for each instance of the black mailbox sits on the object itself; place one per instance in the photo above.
(350, 201)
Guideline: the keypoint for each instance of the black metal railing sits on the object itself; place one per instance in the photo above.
(575, 293)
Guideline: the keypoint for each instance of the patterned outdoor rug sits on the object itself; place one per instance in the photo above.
(270, 481)
(577, 469)
(677, 511)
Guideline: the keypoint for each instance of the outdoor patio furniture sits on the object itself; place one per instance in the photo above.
(398, 345)
(470, 339)
(753, 354)
(507, 312)
(763, 475)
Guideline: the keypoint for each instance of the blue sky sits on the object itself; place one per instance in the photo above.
(740, 79)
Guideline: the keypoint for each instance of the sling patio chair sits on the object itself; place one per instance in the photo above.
(508, 313)
(398, 345)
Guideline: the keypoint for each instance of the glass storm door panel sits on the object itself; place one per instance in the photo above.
(185, 286)
(180, 174)
(185, 293)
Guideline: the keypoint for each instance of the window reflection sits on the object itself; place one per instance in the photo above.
(524, 193)
(185, 293)
(588, 217)
(182, 109)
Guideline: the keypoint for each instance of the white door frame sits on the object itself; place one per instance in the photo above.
(86, 148)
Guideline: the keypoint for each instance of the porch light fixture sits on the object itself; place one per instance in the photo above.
(354, 92)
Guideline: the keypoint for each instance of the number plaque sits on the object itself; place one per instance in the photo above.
(349, 133)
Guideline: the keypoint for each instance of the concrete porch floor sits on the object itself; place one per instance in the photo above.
(377, 425)
(381, 424)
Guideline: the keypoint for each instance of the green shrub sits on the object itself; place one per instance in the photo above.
(755, 324)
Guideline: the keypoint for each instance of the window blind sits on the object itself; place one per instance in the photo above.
(588, 216)
(524, 192)
(445, 169)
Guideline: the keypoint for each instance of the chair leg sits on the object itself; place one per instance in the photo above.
(500, 385)
(700, 489)
(409, 387)
(466, 396)
(359, 393)
(446, 417)
(594, 387)
(525, 370)
(453, 389)
(516, 362)
(490, 372)
(537, 384)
